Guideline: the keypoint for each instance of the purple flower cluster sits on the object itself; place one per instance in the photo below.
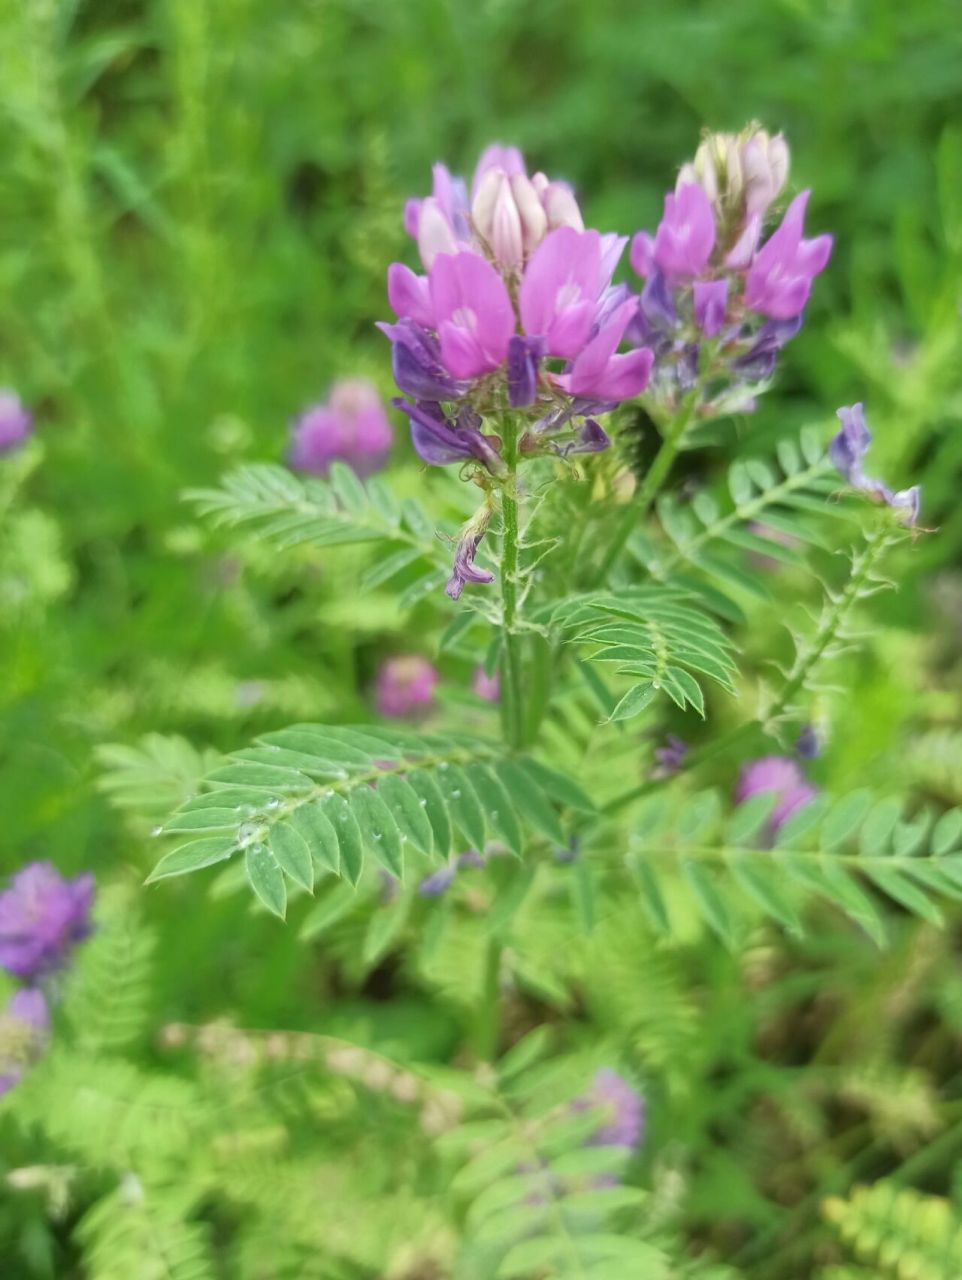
(405, 686)
(352, 426)
(16, 422)
(781, 775)
(848, 450)
(42, 918)
(516, 309)
(719, 302)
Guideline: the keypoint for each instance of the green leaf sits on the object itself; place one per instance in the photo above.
(336, 903)
(463, 803)
(432, 802)
(267, 879)
(947, 832)
(635, 701)
(378, 829)
(321, 838)
(338, 813)
(709, 900)
(530, 801)
(845, 818)
(193, 856)
(497, 806)
(293, 855)
(407, 811)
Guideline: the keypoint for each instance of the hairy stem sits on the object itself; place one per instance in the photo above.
(640, 504)
(512, 696)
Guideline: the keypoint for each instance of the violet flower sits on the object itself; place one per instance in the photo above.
(16, 422)
(352, 427)
(626, 1108)
(42, 917)
(440, 881)
(710, 305)
(781, 775)
(671, 756)
(24, 1027)
(780, 277)
(440, 442)
(405, 686)
(848, 450)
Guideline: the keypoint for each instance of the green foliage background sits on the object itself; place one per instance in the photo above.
(198, 204)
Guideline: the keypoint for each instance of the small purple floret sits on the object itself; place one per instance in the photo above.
(352, 427)
(16, 422)
(848, 450)
(42, 917)
(625, 1106)
(405, 686)
(781, 775)
(24, 1027)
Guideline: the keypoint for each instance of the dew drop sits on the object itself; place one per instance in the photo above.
(423, 803)
(456, 793)
(246, 811)
(378, 835)
(443, 765)
(157, 831)
(273, 803)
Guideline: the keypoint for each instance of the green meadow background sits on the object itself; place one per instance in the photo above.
(198, 202)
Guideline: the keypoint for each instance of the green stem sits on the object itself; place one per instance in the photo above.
(805, 663)
(487, 1024)
(640, 504)
(512, 695)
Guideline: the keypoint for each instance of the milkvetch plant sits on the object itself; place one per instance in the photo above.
(511, 346)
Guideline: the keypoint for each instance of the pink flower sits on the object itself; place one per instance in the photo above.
(405, 685)
(485, 686)
(560, 290)
(475, 319)
(16, 422)
(598, 374)
(780, 277)
(352, 427)
(686, 234)
(781, 775)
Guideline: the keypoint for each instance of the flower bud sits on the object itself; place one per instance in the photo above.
(561, 207)
(764, 169)
(534, 220)
(497, 219)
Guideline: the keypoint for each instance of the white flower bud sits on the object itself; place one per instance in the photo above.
(561, 207)
(534, 220)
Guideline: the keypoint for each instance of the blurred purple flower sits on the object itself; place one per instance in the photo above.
(405, 686)
(352, 427)
(485, 686)
(670, 757)
(808, 744)
(42, 916)
(440, 881)
(16, 422)
(623, 1106)
(24, 1026)
(781, 775)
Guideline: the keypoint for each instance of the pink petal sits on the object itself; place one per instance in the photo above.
(569, 331)
(460, 351)
(409, 295)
